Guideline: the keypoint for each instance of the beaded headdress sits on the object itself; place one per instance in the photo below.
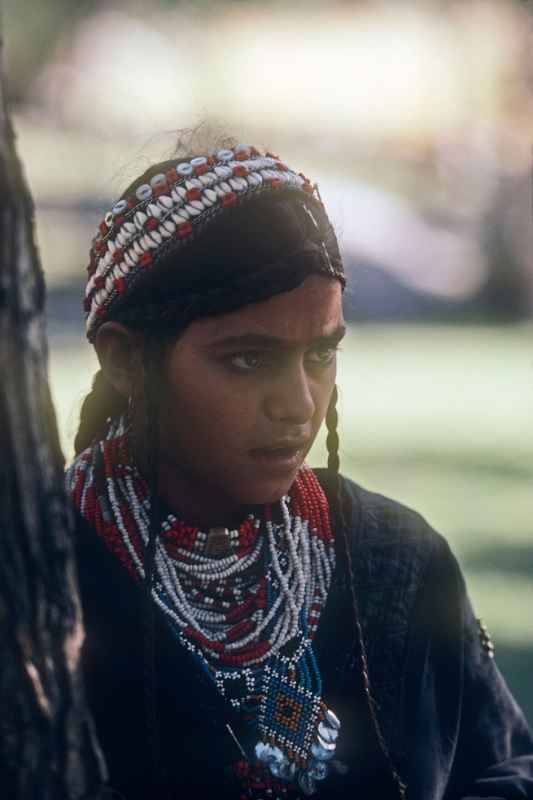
(162, 216)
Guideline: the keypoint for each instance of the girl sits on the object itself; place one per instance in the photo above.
(254, 628)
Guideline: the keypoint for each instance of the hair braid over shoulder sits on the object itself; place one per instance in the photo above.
(332, 444)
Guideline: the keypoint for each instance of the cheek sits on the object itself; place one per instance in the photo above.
(208, 412)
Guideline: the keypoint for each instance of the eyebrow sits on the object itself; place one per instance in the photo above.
(264, 340)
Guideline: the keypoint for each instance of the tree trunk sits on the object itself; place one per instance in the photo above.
(48, 749)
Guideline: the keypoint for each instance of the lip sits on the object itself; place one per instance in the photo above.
(282, 457)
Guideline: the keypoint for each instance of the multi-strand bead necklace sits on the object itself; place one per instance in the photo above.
(247, 601)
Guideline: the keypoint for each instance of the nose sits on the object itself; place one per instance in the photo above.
(290, 397)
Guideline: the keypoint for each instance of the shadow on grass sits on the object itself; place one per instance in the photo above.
(516, 664)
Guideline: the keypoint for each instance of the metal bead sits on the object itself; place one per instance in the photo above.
(306, 784)
(328, 734)
(158, 179)
(329, 746)
(144, 192)
(184, 168)
(320, 754)
(332, 719)
(120, 207)
(318, 770)
(225, 155)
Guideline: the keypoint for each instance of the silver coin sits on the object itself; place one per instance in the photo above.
(329, 746)
(332, 719)
(328, 734)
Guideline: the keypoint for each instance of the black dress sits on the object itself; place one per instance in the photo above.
(451, 725)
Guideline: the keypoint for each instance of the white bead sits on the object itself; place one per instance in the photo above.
(154, 210)
(208, 178)
(140, 219)
(194, 183)
(223, 172)
(211, 195)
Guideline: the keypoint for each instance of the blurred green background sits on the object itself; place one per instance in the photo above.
(416, 120)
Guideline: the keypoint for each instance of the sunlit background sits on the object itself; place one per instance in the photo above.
(416, 120)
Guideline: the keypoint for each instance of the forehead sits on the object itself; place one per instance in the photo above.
(310, 311)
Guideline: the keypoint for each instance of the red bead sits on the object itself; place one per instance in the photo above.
(99, 282)
(171, 175)
(104, 230)
(118, 255)
(120, 285)
(201, 169)
(194, 194)
(275, 182)
(99, 246)
(131, 202)
(160, 188)
(240, 171)
(228, 199)
(242, 155)
(119, 221)
(184, 229)
(145, 260)
(151, 224)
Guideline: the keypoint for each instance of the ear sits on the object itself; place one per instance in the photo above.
(119, 353)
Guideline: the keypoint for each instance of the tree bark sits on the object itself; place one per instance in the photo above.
(48, 749)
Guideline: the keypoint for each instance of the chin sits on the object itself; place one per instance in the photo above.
(268, 492)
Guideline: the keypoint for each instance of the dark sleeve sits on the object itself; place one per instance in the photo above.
(479, 741)
(495, 749)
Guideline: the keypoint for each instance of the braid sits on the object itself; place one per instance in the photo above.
(102, 402)
(151, 376)
(332, 443)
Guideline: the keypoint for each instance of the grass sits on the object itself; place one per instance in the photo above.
(440, 419)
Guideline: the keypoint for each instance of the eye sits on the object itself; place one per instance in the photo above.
(246, 361)
(321, 356)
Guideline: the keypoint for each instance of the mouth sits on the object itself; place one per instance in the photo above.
(283, 459)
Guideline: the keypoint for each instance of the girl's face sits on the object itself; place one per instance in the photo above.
(246, 393)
